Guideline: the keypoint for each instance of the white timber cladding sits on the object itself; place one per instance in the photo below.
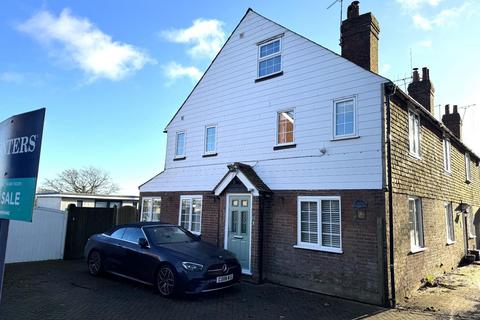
(245, 113)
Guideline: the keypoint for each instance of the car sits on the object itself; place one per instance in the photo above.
(166, 256)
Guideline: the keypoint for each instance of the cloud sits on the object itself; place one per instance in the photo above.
(174, 71)
(12, 77)
(206, 37)
(445, 17)
(425, 43)
(410, 5)
(421, 22)
(78, 41)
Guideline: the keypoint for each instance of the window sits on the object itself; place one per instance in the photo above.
(447, 161)
(101, 204)
(416, 224)
(319, 223)
(79, 203)
(344, 118)
(180, 145)
(450, 225)
(269, 58)
(117, 234)
(210, 139)
(191, 213)
(470, 222)
(133, 234)
(151, 208)
(468, 168)
(414, 133)
(285, 127)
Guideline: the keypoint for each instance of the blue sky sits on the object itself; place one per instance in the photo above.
(112, 73)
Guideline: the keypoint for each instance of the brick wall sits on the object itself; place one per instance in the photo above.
(426, 178)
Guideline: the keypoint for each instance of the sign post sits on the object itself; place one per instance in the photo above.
(20, 142)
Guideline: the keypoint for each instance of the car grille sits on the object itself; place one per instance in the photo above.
(217, 269)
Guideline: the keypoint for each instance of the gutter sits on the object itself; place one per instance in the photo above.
(390, 90)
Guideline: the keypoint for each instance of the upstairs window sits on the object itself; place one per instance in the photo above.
(210, 139)
(285, 127)
(269, 58)
(180, 144)
(414, 133)
(344, 118)
(416, 224)
(191, 213)
(447, 161)
(450, 225)
(468, 168)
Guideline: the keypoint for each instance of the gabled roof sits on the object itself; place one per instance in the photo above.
(229, 37)
(246, 175)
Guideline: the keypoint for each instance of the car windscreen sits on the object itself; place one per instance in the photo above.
(167, 234)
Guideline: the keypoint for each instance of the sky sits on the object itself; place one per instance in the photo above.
(112, 73)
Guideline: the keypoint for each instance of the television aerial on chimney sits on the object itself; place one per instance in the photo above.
(464, 108)
(341, 15)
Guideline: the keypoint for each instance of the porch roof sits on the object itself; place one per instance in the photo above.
(247, 175)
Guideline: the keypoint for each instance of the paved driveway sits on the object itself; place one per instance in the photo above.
(65, 290)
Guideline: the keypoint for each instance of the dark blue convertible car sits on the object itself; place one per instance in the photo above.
(164, 255)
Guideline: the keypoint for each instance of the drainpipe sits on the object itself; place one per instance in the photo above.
(390, 89)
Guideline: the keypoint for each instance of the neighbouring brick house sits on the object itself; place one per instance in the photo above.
(281, 155)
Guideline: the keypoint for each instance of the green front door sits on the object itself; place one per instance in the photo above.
(238, 228)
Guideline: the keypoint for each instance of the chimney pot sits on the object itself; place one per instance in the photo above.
(447, 109)
(455, 109)
(425, 73)
(416, 77)
(353, 10)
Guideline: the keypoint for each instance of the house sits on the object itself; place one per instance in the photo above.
(61, 201)
(317, 172)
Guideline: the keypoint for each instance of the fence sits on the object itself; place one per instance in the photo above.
(43, 239)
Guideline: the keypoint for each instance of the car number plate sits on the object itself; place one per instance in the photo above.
(226, 278)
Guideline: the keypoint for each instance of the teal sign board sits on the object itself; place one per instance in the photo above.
(20, 142)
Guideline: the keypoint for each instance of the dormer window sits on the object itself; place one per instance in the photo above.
(269, 58)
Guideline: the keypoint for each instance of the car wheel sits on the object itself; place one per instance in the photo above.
(166, 281)
(95, 265)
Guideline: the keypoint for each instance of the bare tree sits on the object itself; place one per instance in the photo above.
(89, 180)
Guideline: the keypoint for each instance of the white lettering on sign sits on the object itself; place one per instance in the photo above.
(10, 198)
(18, 145)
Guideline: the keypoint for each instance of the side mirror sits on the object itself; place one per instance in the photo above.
(199, 237)
(143, 243)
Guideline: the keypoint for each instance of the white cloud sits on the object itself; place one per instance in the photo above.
(425, 43)
(78, 41)
(421, 22)
(12, 77)
(205, 36)
(174, 71)
(415, 4)
(445, 17)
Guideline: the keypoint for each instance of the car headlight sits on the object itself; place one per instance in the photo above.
(191, 266)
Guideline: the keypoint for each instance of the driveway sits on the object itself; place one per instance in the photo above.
(65, 290)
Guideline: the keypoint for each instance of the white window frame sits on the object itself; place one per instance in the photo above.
(468, 168)
(150, 208)
(270, 56)
(277, 119)
(449, 213)
(412, 136)
(184, 143)
(206, 139)
(191, 198)
(354, 133)
(318, 246)
(447, 155)
(418, 210)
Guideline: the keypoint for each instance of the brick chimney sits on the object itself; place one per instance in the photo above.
(453, 121)
(359, 38)
(422, 90)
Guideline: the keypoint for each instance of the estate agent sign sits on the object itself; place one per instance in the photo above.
(20, 141)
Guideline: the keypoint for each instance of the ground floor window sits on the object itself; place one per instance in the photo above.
(151, 208)
(319, 223)
(191, 213)
(450, 225)
(416, 223)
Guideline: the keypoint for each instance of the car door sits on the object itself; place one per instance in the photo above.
(140, 263)
(113, 251)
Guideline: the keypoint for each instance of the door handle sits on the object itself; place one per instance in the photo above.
(237, 237)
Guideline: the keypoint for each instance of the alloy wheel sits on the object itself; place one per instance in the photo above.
(94, 263)
(166, 281)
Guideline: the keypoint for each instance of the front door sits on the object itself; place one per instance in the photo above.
(238, 228)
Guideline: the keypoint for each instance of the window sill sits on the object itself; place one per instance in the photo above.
(417, 250)
(449, 242)
(470, 237)
(270, 76)
(467, 181)
(179, 158)
(208, 155)
(323, 249)
(345, 138)
(285, 146)
(416, 156)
